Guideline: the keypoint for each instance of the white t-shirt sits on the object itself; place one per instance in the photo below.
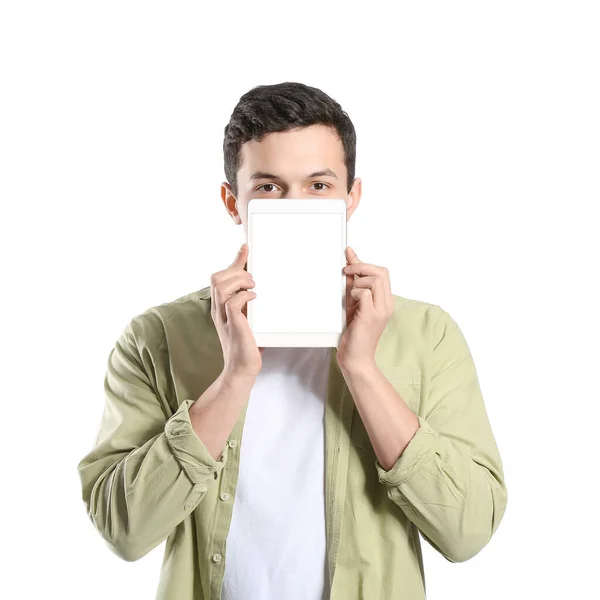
(276, 542)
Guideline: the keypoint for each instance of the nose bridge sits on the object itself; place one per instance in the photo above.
(294, 190)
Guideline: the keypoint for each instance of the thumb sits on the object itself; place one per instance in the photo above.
(240, 259)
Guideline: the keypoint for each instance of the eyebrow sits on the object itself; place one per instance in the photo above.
(322, 173)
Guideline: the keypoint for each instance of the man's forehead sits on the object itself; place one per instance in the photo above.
(292, 158)
(309, 139)
(321, 172)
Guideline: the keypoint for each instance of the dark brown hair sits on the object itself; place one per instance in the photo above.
(279, 107)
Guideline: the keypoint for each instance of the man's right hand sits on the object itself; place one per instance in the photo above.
(229, 295)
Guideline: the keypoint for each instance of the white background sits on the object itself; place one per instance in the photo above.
(479, 148)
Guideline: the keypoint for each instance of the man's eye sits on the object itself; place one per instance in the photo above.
(265, 185)
(321, 183)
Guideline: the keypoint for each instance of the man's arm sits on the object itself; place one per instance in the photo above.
(443, 468)
(147, 472)
(215, 413)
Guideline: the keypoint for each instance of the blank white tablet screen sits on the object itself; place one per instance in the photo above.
(297, 268)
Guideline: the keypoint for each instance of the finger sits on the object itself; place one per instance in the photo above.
(363, 297)
(238, 264)
(376, 285)
(233, 306)
(241, 257)
(245, 307)
(351, 256)
(350, 259)
(363, 269)
(228, 288)
(350, 301)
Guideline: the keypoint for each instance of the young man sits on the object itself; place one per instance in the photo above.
(293, 472)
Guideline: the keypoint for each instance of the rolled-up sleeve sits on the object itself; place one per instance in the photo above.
(147, 470)
(449, 480)
(188, 449)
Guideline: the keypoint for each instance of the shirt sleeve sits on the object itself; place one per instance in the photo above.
(449, 480)
(147, 470)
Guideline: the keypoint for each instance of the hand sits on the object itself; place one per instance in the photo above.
(229, 296)
(369, 306)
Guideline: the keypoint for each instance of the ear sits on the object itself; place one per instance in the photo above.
(354, 197)
(230, 202)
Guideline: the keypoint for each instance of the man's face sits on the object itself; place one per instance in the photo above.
(303, 163)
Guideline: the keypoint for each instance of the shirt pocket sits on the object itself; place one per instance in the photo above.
(406, 380)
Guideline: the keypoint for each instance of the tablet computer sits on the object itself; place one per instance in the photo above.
(296, 253)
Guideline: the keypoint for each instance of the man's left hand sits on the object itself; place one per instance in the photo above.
(369, 306)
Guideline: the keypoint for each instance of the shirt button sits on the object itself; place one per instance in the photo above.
(216, 558)
(232, 443)
(224, 496)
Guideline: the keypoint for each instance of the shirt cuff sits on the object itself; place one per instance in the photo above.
(188, 449)
(417, 452)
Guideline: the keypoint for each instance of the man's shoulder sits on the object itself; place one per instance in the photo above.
(414, 313)
(410, 333)
(151, 324)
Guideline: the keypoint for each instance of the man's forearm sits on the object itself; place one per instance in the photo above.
(216, 412)
(387, 418)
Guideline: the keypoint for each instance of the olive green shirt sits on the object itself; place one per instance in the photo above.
(149, 478)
